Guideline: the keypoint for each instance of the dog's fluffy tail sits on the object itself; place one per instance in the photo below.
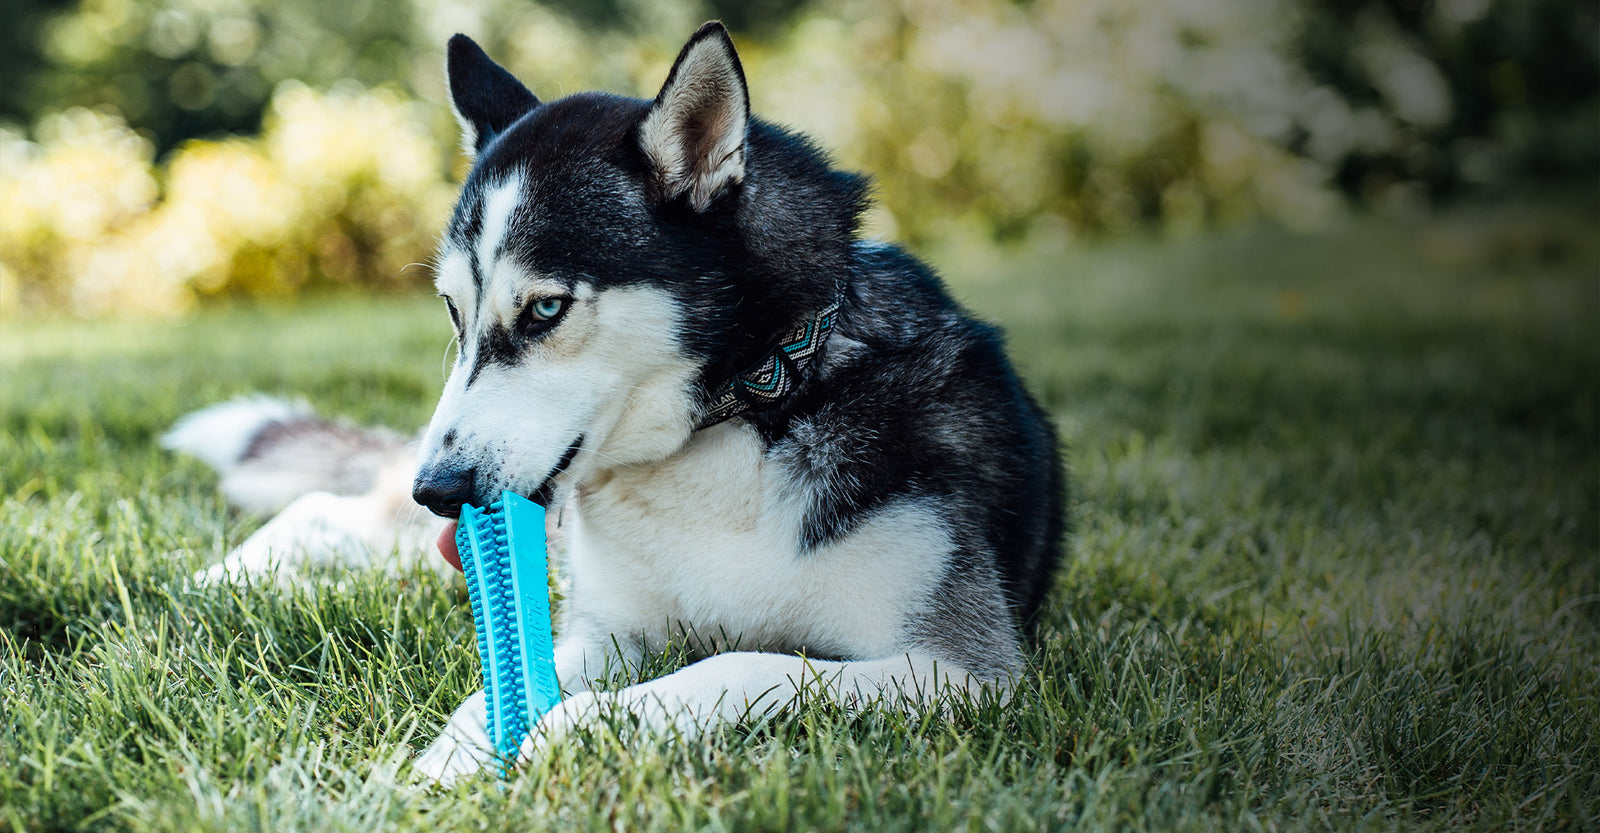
(271, 451)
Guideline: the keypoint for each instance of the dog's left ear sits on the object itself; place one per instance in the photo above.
(694, 134)
(486, 99)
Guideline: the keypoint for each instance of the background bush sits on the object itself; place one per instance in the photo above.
(161, 154)
(345, 187)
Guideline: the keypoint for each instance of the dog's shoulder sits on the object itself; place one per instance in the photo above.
(917, 398)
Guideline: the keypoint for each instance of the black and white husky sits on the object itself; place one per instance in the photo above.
(752, 423)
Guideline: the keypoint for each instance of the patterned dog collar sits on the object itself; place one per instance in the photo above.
(776, 375)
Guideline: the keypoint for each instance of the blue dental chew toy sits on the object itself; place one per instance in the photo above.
(502, 552)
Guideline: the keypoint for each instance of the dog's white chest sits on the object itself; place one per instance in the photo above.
(710, 540)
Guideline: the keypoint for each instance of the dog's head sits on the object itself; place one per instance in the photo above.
(607, 260)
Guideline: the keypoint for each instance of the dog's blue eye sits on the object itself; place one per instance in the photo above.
(545, 309)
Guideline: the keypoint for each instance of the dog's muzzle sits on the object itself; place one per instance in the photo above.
(444, 489)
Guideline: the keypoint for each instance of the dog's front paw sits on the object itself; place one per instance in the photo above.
(463, 748)
(655, 709)
(584, 707)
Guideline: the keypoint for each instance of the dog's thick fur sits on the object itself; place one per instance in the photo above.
(884, 533)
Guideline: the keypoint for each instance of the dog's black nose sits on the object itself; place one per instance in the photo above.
(443, 489)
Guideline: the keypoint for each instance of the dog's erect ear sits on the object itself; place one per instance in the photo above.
(485, 97)
(695, 132)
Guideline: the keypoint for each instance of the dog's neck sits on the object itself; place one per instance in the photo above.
(644, 440)
(770, 380)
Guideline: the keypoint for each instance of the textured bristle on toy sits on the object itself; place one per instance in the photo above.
(503, 557)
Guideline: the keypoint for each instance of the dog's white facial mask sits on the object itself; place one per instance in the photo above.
(606, 376)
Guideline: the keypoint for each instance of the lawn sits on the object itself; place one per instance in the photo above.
(1336, 566)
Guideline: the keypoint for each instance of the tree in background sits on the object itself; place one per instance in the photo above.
(194, 68)
(1466, 93)
(983, 121)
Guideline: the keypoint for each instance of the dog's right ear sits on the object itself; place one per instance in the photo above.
(486, 99)
(695, 132)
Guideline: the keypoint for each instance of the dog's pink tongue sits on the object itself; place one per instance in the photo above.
(447, 545)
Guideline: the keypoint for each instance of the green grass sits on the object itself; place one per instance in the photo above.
(1337, 566)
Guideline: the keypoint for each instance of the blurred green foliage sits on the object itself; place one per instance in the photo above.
(1474, 92)
(341, 188)
(191, 68)
(982, 121)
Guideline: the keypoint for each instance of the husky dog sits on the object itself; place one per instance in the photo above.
(753, 423)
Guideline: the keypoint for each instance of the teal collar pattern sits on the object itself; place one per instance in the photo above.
(776, 375)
